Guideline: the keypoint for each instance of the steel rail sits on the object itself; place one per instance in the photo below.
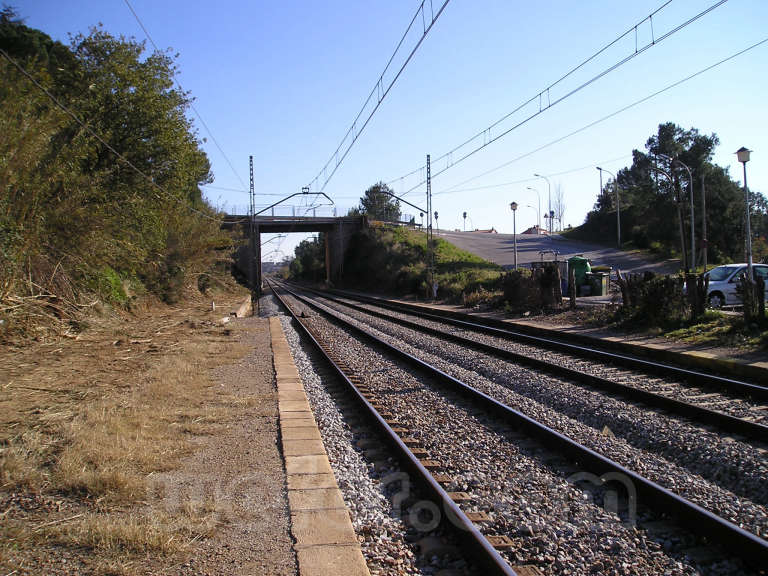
(501, 329)
(481, 550)
(701, 415)
(742, 543)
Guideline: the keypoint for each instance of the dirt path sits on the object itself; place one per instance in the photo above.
(239, 472)
(146, 445)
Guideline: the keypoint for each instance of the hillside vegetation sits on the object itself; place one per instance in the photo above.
(655, 196)
(80, 224)
(393, 260)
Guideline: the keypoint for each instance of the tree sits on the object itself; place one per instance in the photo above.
(79, 218)
(379, 204)
(655, 209)
(558, 204)
(309, 261)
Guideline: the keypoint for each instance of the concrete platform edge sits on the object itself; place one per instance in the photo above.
(325, 541)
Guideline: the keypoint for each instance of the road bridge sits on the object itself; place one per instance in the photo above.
(337, 230)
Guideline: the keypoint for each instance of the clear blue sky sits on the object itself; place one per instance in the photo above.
(284, 80)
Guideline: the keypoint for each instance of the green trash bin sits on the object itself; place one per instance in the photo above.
(580, 267)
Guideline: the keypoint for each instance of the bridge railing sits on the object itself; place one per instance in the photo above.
(293, 211)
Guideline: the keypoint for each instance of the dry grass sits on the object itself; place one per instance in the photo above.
(85, 422)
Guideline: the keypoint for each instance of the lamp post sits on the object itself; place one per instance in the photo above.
(671, 180)
(513, 205)
(538, 212)
(704, 246)
(538, 215)
(601, 182)
(549, 202)
(693, 234)
(743, 155)
(618, 208)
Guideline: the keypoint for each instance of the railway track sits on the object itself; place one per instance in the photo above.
(734, 411)
(699, 521)
(719, 381)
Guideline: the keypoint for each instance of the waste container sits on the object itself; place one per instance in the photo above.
(598, 282)
(580, 267)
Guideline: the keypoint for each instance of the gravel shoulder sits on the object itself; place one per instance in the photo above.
(145, 444)
(239, 472)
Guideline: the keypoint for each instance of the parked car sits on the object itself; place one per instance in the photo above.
(723, 281)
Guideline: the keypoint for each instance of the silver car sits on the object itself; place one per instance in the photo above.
(723, 281)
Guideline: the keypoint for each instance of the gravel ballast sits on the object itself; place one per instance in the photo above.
(368, 485)
(694, 462)
(580, 560)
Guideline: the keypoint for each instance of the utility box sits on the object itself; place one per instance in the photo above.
(598, 282)
(580, 267)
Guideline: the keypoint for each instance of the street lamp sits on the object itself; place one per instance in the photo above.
(538, 213)
(671, 181)
(618, 209)
(743, 155)
(693, 234)
(538, 216)
(690, 194)
(513, 205)
(549, 196)
(704, 246)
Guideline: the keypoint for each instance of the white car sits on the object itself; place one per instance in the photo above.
(723, 281)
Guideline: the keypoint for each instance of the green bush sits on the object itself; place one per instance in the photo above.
(392, 259)
(108, 285)
(656, 301)
(74, 217)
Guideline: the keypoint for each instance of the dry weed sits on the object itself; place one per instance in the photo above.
(86, 421)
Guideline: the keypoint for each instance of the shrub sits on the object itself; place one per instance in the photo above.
(652, 300)
(109, 286)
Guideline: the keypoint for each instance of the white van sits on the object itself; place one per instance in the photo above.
(723, 281)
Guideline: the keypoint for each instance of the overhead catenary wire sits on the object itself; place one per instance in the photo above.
(453, 190)
(191, 104)
(485, 134)
(603, 119)
(380, 92)
(106, 144)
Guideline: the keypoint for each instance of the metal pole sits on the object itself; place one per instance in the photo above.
(680, 220)
(252, 277)
(601, 181)
(693, 224)
(748, 225)
(618, 214)
(693, 233)
(430, 258)
(549, 200)
(704, 221)
(538, 212)
(514, 234)
(618, 207)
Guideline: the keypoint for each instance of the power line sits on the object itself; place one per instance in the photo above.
(603, 119)
(240, 191)
(191, 104)
(100, 139)
(380, 92)
(545, 101)
(453, 190)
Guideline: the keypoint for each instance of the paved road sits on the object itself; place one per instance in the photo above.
(499, 248)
